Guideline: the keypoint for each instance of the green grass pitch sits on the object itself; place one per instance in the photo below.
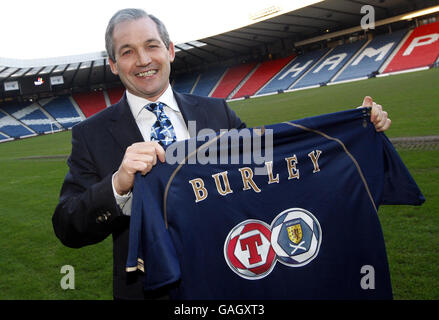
(32, 171)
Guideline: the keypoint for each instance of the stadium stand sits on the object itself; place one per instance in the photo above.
(292, 72)
(421, 49)
(90, 102)
(115, 94)
(63, 110)
(208, 80)
(416, 47)
(262, 74)
(184, 83)
(12, 127)
(3, 137)
(329, 66)
(232, 78)
(370, 60)
(32, 116)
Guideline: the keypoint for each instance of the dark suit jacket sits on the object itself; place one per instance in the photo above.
(87, 211)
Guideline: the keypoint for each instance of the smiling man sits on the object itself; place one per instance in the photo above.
(141, 57)
(128, 137)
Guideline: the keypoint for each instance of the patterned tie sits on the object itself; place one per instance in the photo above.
(162, 130)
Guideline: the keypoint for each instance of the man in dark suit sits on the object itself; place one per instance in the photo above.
(111, 146)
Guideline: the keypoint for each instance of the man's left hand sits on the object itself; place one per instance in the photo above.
(378, 116)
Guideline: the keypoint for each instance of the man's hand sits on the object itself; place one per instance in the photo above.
(378, 116)
(141, 156)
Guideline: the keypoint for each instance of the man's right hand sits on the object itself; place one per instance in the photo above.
(141, 156)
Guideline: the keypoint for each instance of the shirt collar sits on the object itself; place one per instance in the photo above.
(137, 103)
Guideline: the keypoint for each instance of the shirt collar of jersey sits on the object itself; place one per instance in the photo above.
(137, 104)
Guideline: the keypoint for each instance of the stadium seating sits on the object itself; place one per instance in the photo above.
(185, 82)
(90, 102)
(358, 60)
(32, 116)
(115, 94)
(329, 66)
(3, 137)
(208, 81)
(419, 50)
(292, 71)
(370, 60)
(12, 127)
(232, 79)
(262, 74)
(63, 110)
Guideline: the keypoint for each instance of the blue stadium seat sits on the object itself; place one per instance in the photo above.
(292, 71)
(208, 80)
(62, 109)
(330, 65)
(372, 57)
(3, 137)
(185, 82)
(12, 127)
(30, 115)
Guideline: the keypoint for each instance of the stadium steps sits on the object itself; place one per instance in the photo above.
(291, 72)
(62, 108)
(218, 83)
(185, 83)
(311, 68)
(106, 98)
(90, 102)
(262, 75)
(195, 84)
(21, 122)
(49, 116)
(77, 108)
(34, 117)
(393, 54)
(348, 63)
(243, 82)
(4, 137)
(208, 80)
(322, 73)
(368, 62)
(29, 116)
(232, 78)
(420, 54)
(115, 94)
(13, 127)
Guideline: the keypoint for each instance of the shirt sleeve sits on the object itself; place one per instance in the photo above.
(150, 241)
(123, 201)
(399, 186)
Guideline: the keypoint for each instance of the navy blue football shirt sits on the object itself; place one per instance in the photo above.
(229, 220)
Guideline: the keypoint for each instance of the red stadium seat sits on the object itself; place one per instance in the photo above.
(419, 50)
(115, 94)
(231, 79)
(261, 76)
(90, 102)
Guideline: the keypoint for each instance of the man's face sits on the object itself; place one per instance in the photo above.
(142, 61)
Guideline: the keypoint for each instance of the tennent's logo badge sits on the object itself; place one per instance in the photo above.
(248, 250)
(252, 247)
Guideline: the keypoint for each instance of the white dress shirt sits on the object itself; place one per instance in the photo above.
(145, 119)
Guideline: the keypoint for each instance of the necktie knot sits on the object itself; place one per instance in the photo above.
(162, 130)
(156, 108)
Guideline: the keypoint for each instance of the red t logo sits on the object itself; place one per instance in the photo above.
(251, 243)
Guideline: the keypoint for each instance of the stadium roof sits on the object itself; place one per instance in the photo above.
(278, 35)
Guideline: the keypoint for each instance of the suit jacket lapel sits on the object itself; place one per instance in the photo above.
(125, 131)
(191, 111)
(122, 125)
